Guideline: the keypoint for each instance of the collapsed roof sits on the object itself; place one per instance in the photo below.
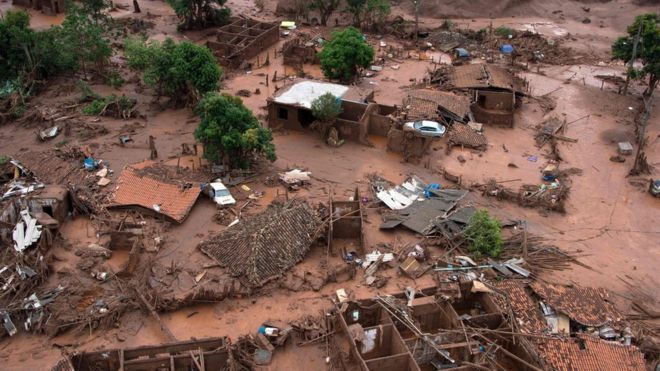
(478, 76)
(427, 104)
(170, 198)
(262, 247)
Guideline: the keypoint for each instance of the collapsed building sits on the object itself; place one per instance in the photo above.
(241, 40)
(261, 248)
(495, 92)
(467, 324)
(291, 108)
(137, 186)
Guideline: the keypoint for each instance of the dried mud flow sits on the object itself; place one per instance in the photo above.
(610, 218)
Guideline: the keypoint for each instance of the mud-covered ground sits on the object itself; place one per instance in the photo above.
(610, 217)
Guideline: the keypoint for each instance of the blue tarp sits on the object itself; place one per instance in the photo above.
(506, 49)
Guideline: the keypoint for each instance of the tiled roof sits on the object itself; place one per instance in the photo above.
(589, 353)
(588, 306)
(424, 104)
(475, 76)
(264, 246)
(463, 135)
(51, 169)
(526, 310)
(173, 199)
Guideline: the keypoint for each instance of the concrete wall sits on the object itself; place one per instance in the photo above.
(243, 39)
(411, 146)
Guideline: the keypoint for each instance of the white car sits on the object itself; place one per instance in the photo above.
(220, 194)
(425, 128)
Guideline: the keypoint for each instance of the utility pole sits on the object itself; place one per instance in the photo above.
(417, 4)
(634, 56)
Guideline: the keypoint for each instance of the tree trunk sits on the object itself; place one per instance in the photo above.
(136, 7)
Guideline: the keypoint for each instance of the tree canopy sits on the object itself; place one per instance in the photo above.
(484, 234)
(326, 107)
(184, 72)
(198, 14)
(344, 54)
(230, 132)
(648, 48)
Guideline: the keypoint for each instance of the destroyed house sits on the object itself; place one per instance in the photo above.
(264, 246)
(241, 40)
(495, 91)
(138, 187)
(207, 354)
(291, 108)
(582, 331)
(444, 107)
(417, 332)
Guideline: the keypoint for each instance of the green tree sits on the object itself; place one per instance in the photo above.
(198, 14)
(83, 36)
(325, 8)
(184, 72)
(357, 9)
(377, 13)
(484, 234)
(648, 49)
(346, 52)
(230, 132)
(326, 107)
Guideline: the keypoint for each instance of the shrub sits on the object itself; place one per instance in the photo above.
(504, 31)
(326, 107)
(484, 234)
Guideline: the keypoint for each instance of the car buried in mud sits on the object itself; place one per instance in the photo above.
(425, 128)
(219, 193)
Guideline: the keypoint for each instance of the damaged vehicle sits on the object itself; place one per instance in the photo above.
(425, 128)
(654, 187)
(219, 193)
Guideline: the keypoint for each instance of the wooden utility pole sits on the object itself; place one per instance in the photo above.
(417, 3)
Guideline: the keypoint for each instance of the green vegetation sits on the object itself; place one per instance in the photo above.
(28, 58)
(4, 159)
(112, 105)
(648, 49)
(504, 31)
(343, 56)
(230, 132)
(325, 8)
(484, 234)
(184, 72)
(114, 79)
(326, 107)
(369, 13)
(199, 14)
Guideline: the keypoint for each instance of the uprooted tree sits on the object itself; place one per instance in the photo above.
(484, 235)
(198, 14)
(230, 133)
(641, 43)
(184, 72)
(345, 54)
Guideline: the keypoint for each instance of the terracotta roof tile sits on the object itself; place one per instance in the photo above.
(174, 200)
(586, 305)
(525, 308)
(423, 104)
(263, 246)
(475, 76)
(589, 353)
